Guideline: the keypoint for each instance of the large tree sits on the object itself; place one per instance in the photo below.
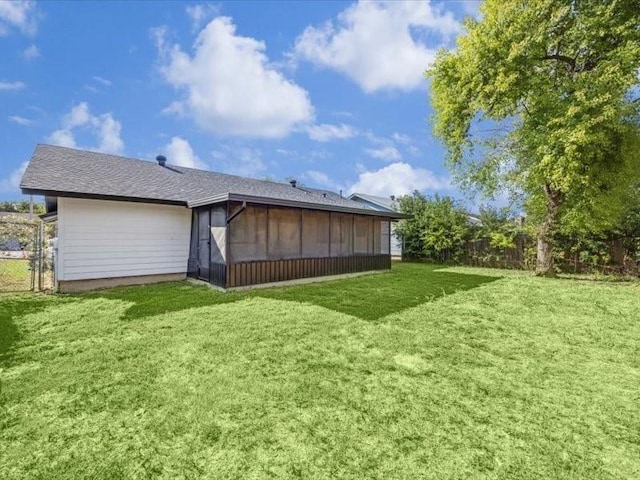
(540, 97)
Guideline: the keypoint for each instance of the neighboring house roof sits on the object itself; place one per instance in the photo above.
(379, 203)
(473, 220)
(388, 204)
(61, 171)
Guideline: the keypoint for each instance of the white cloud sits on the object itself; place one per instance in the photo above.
(243, 161)
(102, 81)
(179, 152)
(11, 85)
(325, 132)
(106, 129)
(20, 120)
(322, 179)
(285, 152)
(77, 117)
(318, 177)
(199, 14)
(109, 130)
(379, 44)
(12, 182)
(19, 14)
(319, 154)
(62, 137)
(401, 138)
(407, 142)
(398, 179)
(30, 53)
(472, 8)
(385, 153)
(231, 87)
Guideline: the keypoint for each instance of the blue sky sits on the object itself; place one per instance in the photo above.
(330, 93)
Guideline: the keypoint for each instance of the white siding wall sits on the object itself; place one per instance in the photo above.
(103, 239)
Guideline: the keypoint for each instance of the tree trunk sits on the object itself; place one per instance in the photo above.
(546, 232)
(617, 252)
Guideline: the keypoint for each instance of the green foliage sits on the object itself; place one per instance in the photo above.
(500, 226)
(17, 228)
(513, 377)
(500, 240)
(438, 227)
(21, 207)
(410, 230)
(538, 97)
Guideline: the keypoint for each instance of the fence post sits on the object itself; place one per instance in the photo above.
(40, 252)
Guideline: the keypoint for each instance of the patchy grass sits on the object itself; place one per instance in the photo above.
(406, 286)
(433, 373)
(14, 275)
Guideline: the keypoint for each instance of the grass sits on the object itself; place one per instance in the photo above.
(420, 373)
(14, 275)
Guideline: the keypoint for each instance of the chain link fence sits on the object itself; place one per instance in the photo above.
(26, 255)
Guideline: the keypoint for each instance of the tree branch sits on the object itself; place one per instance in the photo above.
(562, 58)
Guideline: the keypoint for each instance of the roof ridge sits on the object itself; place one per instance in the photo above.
(153, 162)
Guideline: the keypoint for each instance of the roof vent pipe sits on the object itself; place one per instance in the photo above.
(162, 160)
(293, 183)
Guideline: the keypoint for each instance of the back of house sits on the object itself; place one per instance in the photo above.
(123, 221)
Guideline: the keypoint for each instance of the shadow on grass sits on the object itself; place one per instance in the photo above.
(13, 307)
(375, 296)
(150, 300)
(368, 297)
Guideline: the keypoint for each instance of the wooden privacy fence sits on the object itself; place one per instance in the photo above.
(618, 256)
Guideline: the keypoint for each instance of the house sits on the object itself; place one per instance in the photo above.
(381, 204)
(125, 221)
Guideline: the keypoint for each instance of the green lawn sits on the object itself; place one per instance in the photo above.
(14, 275)
(424, 372)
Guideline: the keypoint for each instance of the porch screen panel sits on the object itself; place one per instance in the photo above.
(248, 235)
(218, 234)
(203, 241)
(315, 234)
(377, 236)
(341, 235)
(363, 242)
(384, 237)
(193, 244)
(284, 233)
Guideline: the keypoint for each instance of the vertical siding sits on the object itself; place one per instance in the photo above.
(103, 239)
(252, 273)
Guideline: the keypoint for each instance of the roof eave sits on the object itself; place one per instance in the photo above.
(94, 196)
(309, 205)
(223, 197)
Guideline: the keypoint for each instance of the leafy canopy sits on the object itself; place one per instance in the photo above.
(539, 97)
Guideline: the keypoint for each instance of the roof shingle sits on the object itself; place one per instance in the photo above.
(69, 172)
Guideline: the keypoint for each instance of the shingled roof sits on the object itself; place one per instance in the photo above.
(383, 202)
(61, 171)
